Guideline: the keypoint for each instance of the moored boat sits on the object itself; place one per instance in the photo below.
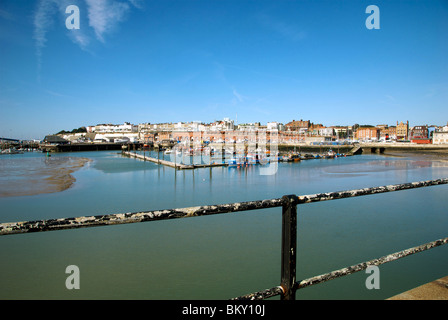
(12, 151)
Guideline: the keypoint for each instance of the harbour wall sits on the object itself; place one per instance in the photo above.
(379, 148)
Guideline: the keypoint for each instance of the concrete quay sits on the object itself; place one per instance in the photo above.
(374, 147)
(178, 166)
(404, 147)
(436, 290)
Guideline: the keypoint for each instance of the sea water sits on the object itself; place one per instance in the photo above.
(227, 255)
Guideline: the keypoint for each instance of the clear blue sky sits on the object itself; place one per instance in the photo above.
(170, 61)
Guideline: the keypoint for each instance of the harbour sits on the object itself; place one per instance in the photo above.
(204, 253)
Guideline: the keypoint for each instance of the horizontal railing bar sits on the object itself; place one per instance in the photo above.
(261, 295)
(364, 265)
(368, 191)
(125, 218)
(268, 293)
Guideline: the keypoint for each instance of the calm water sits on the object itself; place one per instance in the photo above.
(224, 256)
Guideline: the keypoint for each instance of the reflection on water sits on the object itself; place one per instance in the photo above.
(223, 256)
(385, 165)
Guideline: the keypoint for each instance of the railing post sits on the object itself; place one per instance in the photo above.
(289, 246)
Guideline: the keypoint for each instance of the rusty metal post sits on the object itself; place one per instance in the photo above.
(289, 247)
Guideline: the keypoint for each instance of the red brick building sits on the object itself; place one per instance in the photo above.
(367, 133)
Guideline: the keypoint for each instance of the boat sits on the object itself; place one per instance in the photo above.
(233, 162)
(330, 154)
(294, 157)
(123, 140)
(12, 151)
(308, 156)
(242, 161)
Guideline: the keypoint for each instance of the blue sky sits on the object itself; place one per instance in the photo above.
(192, 60)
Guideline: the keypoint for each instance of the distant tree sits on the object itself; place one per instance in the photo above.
(79, 130)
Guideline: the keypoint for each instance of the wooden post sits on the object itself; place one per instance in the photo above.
(289, 247)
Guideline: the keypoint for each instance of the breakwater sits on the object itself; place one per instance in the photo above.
(73, 147)
(282, 148)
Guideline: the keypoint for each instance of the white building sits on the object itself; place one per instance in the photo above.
(224, 125)
(228, 124)
(440, 137)
(145, 127)
(189, 126)
(326, 132)
(445, 128)
(275, 126)
(117, 137)
(115, 128)
(249, 126)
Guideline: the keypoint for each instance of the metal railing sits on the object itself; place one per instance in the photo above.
(288, 284)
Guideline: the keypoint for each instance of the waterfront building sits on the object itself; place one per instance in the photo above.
(420, 134)
(301, 125)
(388, 133)
(189, 126)
(342, 131)
(367, 133)
(290, 137)
(222, 125)
(326, 132)
(228, 124)
(275, 126)
(314, 129)
(440, 137)
(163, 127)
(145, 127)
(113, 128)
(54, 140)
(402, 130)
(249, 126)
(164, 136)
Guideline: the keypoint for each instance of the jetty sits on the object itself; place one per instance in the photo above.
(177, 166)
(435, 290)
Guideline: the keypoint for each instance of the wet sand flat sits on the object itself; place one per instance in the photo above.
(37, 175)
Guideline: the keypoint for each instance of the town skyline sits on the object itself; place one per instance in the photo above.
(296, 131)
(258, 123)
(180, 126)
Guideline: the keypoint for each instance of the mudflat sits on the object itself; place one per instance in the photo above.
(37, 175)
